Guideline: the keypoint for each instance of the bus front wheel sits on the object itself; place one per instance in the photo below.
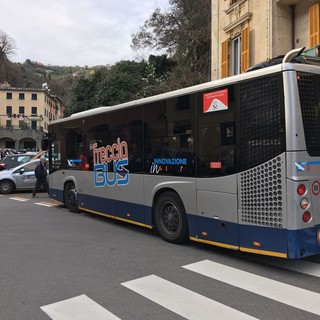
(170, 218)
(70, 197)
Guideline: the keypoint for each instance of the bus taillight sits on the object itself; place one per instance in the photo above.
(306, 217)
(301, 189)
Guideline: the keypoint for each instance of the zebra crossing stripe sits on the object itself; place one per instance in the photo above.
(182, 301)
(296, 297)
(309, 268)
(305, 267)
(78, 308)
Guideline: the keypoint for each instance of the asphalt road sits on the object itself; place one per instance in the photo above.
(58, 265)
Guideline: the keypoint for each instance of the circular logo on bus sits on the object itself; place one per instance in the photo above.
(316, 188)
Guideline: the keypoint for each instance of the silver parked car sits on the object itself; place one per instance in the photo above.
(21, 177)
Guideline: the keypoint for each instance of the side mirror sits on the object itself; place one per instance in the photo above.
(21, 171)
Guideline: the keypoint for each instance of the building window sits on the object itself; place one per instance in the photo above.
(9, 110)
(34, 96)
(21, 110)
(9, 95)
(235, 56)
(233, 2)
(21, 96)
(34, 110)
(33, 125)
(8, 123)
(239, 52)
(21, 124)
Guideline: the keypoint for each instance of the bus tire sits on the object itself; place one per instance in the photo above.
(170, 218)
(71, 197)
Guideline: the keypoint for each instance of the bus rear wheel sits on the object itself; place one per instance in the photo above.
(170, 218)
(71, 197)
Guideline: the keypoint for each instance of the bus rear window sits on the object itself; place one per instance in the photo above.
(309, 85)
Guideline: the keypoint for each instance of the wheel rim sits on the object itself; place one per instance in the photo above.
(71, 197)
(170, 217)
(5, 187)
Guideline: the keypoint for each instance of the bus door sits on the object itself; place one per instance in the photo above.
(216, 178)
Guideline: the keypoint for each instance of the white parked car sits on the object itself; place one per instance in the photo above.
(21, 177)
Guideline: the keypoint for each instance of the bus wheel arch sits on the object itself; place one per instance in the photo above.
(169, 216)
(71, 196)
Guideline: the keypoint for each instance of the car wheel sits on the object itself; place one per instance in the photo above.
(170, 218)
(6, 186)
(71, 197)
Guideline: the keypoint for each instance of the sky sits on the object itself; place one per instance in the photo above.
(75, 32)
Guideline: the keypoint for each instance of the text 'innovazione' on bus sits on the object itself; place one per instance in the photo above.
(233, 163)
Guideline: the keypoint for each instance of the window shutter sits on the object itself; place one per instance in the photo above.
(314, 25)
(224, 60)
(245, 49)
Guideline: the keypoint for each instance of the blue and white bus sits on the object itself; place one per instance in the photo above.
(233, 163)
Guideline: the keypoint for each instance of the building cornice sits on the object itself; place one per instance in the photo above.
(234, 7)
(246, 17)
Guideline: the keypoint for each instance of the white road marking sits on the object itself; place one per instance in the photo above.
(275, 290)
(182, 301)
(301, 266)
(46, 204)
(78, 308)
(19, 199)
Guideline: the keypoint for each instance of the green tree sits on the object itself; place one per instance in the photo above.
(184, 33)
(108, 86)
(83, 93)
(121, 83)
(158, 70)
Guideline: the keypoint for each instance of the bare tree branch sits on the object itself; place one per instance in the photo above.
(7, 47)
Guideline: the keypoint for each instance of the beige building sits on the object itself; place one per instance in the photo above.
(25, 115)
(246, 32)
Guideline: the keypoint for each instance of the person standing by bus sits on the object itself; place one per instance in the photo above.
(41, 176)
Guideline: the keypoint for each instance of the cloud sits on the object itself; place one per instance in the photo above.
(75, 32)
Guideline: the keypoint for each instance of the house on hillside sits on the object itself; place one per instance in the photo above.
(246, 32)
(25, 114)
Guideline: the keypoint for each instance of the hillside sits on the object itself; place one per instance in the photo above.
(32, 74)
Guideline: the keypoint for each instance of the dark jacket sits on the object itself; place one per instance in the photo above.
(40, 171)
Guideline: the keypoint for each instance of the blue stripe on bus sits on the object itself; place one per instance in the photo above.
(291, 243)
(121, 209)
(263, 238)
(294, 243)
(213, 230)
(303, 239)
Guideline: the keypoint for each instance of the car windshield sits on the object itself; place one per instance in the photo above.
(16, 159)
